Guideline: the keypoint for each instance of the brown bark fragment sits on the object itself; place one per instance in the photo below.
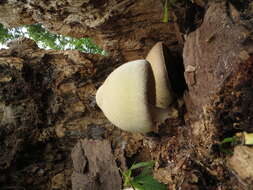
(213, 50)
(241, 163)
(218, 70)
(214, 60)
(94, 166)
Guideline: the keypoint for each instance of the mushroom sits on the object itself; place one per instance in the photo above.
(127, 98)
(164, 93)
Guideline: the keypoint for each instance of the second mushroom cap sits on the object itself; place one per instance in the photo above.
(164, 94)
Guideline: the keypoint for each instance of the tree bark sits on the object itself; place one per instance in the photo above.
(47, 97)
(126, 29)
(94, 166)
(218, 63)
(43, 93)
(218, 70)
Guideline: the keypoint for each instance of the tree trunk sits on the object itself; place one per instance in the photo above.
(126, 29)
(47, 96)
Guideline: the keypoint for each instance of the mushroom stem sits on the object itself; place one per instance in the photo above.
(160, 115)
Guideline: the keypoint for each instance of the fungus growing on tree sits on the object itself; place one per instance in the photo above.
(127, 97)
(164, 93)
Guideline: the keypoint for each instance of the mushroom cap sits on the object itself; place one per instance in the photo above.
(164, 93)
(124, 96)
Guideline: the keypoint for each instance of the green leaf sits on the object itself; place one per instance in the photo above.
(142, 164)
(227, 143)
(229, 140)
(146, 171)
(137, 186)
(166, 12)
(145, 180)
(149, 183)
(127, 177)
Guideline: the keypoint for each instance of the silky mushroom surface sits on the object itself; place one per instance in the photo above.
(124, 99)
(164, 94)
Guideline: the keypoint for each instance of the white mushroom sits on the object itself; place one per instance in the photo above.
(127, 98)
(164, 94)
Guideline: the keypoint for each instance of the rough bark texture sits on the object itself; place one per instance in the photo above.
(42, 94)
(125, 28)
(218, 69)
(47, 103)
(218, 63)
(94, 166)
(47, 97)
(241, 163)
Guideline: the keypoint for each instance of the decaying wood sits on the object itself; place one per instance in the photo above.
(126, 29)
(47, 102)
(218, 59)
(44, 93)
(218, 63)
(241, 163)
(94, 166)
(47, 97)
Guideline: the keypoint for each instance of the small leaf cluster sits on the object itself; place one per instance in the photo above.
(145, 180)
